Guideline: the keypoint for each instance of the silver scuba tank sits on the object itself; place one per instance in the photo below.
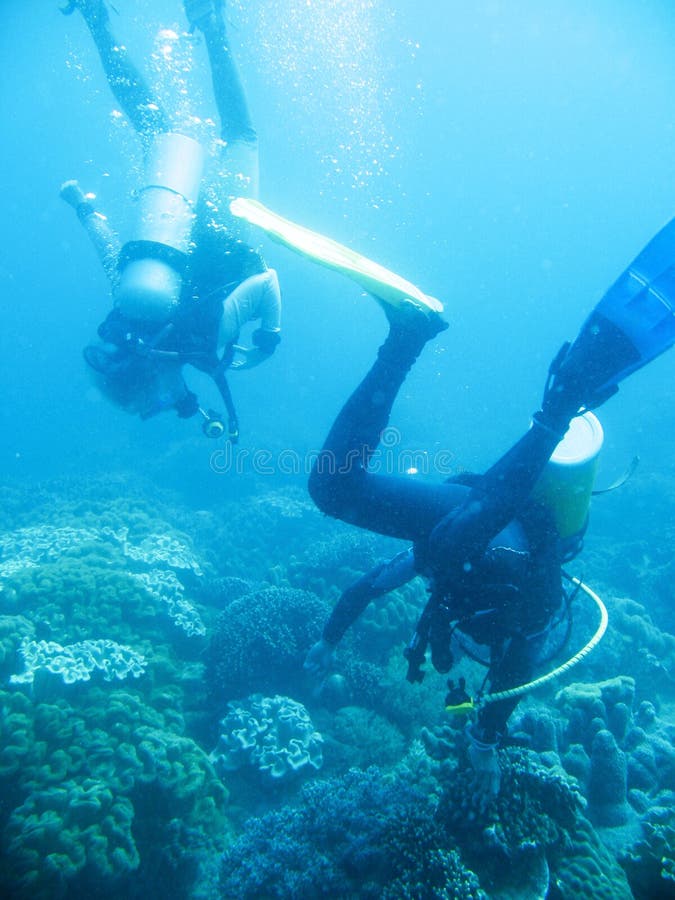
(150, 280)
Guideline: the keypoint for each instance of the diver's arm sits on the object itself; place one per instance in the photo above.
(106, 241)
(258, 297)
(383, 578)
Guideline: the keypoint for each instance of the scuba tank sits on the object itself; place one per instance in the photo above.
(152, 262)
(566, 484)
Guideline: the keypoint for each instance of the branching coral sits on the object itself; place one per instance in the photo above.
(360, 835)
(359, 736)
(260, 641)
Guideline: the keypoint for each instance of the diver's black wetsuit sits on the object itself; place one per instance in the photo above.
(229, 278)
(481, 545)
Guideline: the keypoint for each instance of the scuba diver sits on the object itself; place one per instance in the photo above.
(490, 546)
(186, 282)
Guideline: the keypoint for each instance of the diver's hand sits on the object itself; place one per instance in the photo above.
(72, 193)
(249, 357)
(319, 659)
(487, 774)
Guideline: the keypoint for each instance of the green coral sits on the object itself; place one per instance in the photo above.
(13, 630)
(583, 867)
(61, 831)
(86, 590)
(74, 778)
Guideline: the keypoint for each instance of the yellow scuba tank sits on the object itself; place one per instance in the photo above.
(566, 484)
(151, 262)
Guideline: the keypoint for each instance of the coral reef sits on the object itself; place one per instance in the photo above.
(607, 782)
(103, 791)
(76, 662)
(106, 785)
(260, 641)
(356, 736)
(532, 837)
(165, 587)
(89, 789)
(622, 755)
(359, 835)
(271, 736)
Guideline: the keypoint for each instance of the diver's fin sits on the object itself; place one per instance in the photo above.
(633, 323)
(640, 307)
(372, 277)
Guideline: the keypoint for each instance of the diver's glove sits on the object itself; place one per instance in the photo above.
(319, 659)
(485, 763)
(187, 405)
(265, 340)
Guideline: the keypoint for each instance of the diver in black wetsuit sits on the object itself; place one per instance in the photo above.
(490, 552)
(187, 283)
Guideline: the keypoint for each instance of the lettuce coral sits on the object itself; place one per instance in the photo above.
(273, 736)
(76, 662)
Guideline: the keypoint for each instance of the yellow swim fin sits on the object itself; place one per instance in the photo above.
(374, 278)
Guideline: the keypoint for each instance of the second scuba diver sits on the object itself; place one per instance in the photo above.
(186, 283)
(489, 546)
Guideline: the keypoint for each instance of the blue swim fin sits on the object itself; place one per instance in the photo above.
(633, 323)
(641, 302)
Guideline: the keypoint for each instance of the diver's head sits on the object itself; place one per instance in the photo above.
(138, 383)
(566, 484)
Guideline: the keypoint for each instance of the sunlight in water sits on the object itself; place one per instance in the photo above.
(331, 76)
(326, 58)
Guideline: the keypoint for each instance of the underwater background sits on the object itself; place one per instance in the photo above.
(510, 158)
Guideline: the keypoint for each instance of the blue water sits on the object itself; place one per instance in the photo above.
(524, 155)
(509, 158)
